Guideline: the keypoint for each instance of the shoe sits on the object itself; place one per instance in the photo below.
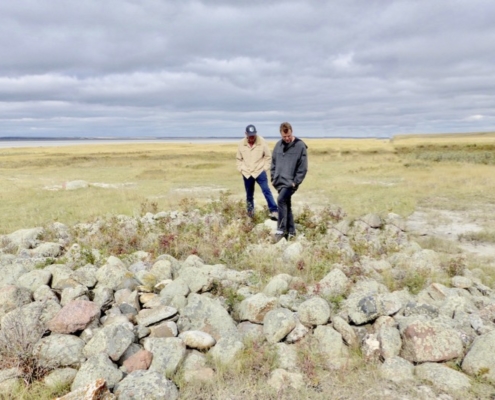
(291, 236)
(278, 237)
(274, 215)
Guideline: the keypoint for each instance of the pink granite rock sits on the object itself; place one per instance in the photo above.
(75, 316)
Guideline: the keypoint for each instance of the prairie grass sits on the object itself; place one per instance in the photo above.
(359, 175)
(347, 178)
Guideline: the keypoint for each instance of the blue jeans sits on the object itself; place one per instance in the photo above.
(285, 223)
(262, 180)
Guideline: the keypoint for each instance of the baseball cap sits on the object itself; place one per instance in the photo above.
(251, 130)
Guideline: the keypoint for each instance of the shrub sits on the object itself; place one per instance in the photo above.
(17, 341)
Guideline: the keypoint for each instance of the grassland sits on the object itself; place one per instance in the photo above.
(360, 175)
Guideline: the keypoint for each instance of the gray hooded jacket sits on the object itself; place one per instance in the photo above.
(289, 164)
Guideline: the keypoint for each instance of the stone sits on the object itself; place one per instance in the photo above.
(479, 360)
(164, 329)
(292, 252)
(97, 367)
(47, 249)
(146, 385)
(278, 323)
(255, 308)
(390, 341)
(162, 270)
(461, 282)
(373, 220)
(443, 378)
(75, 316)
(430, 341)
(60, 377)
(85, 275)
(168, 354)
(197, 340)
(348, 334)
(250, 331)
(287, 357)
(147, 317)
(314, 311)
(113, 273)
(278, 285)
(296, 334)
(207, 315)
(112, 340)
(397, 369)
(58, 350)
(12, 297)
(196, 279)
(34, 279)
(195, 368)
(141, 360)
(370, 348)
(332, 347)
(281, 379)
(78, 292)
(95, 390)
(26, 238)
(227, 350)
(334, 284)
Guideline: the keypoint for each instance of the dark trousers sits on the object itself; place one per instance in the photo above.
(249, 184)
(285, 218)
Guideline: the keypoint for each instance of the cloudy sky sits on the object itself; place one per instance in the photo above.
(147, 68)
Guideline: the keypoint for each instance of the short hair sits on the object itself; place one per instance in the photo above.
(285, 127)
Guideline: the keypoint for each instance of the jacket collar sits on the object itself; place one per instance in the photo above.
(256, 142)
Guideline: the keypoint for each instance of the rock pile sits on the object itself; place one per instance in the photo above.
(125, 326)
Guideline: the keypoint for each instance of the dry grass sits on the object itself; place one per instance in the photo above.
(361, 176)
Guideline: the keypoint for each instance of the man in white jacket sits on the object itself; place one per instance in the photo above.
(253, 160)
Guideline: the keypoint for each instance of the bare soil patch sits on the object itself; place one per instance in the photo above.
(450, 225)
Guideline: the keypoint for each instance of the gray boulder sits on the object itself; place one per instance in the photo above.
(480, 360)
(146, 385)
(314, 311)
(59, 350)
(168, 354)
(207, 315)
(397, 370)
(12, 297)
(112, 274)
(96, 367)
(278, 323)
(112, 340)
(331, 346)
(443, 378)
(254, 308)
(34, 279)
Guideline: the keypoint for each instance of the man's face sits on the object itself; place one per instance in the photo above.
(251, 139)
(287, 135)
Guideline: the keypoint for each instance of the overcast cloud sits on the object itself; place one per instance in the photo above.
(208, 68)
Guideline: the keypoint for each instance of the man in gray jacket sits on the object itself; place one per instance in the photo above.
(288, 169)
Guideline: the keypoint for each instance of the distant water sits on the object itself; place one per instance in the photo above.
(13, 143)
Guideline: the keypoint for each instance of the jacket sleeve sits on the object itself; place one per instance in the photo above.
(239, 160)
(301, 167)
(267, 157)
(273, 163)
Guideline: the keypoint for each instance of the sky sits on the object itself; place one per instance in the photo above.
(208, 68)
